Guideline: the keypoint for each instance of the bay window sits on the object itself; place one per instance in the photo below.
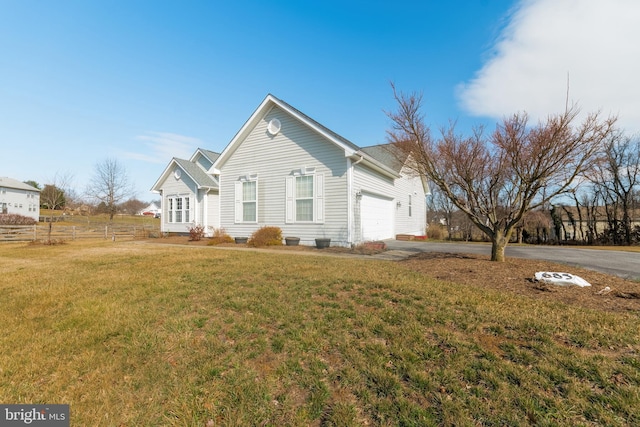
(179, 209)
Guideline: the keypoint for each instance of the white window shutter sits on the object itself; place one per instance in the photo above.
(290, 202)
(257, 198)
(318, 195)
(238, 198)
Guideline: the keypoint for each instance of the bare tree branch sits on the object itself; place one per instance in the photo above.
(110, 184)
(495, 180)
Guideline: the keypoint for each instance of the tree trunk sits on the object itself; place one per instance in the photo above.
(498, 244)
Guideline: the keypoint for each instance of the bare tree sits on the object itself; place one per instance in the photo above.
(495, 180)
(536, 223)
(53, 195)
(110, 185)
(440, 204)
(617, 175)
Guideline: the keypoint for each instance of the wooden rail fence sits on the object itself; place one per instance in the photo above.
(21, 233)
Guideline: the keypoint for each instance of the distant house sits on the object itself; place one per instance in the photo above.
(19, 198)
(152, 210)
(284, 169)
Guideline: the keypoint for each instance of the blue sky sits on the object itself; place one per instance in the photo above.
(142, 81)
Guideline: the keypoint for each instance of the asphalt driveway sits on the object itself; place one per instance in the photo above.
(619, 263)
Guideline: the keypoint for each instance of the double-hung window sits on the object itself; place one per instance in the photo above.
(304, 197)
(179, 209)
(246, 195)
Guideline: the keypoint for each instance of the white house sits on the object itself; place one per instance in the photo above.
(19, 198)
(285, 169)
(152, 210)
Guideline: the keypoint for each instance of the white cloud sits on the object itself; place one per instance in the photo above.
(162, 147)
(595, 44)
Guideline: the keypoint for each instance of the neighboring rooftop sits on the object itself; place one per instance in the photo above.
(14, 183)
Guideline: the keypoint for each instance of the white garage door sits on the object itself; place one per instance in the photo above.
(377, 217)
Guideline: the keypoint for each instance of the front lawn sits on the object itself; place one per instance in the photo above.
(134, 334)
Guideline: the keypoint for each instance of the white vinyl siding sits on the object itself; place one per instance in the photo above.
(20, 202)
(318, 184)
(411, 216)
(212, 210)
(199, 206)
(407, 194)
(274, 158)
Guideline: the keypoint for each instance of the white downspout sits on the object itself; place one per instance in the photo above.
(351, 219)
(205, 212)
(195, 204)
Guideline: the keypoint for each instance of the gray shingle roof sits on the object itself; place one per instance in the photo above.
(199, 176)
(211, 155)
(387, 154)
(14, 183)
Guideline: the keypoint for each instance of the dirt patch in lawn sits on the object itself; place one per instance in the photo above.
(367, 249)
(514, 275)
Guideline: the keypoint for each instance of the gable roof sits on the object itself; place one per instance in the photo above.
(7, 182)
(387, 154)
(195, 172)
(265, 106)
(393, 157)
(212, 156)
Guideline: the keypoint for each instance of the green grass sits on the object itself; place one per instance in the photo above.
(136, 334)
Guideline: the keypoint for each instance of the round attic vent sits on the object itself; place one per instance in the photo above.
(177, 173)
(274, 126)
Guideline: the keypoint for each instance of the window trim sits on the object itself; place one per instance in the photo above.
(298, 198)
(240, 202)
(179, 206)
(317, 198)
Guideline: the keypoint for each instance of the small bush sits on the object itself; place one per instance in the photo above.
(266, 236)
(436, 232)
(219, 237)
(15, 219)
(196, 232)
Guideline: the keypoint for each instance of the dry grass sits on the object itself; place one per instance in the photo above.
(515, 276)
(135, 334)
